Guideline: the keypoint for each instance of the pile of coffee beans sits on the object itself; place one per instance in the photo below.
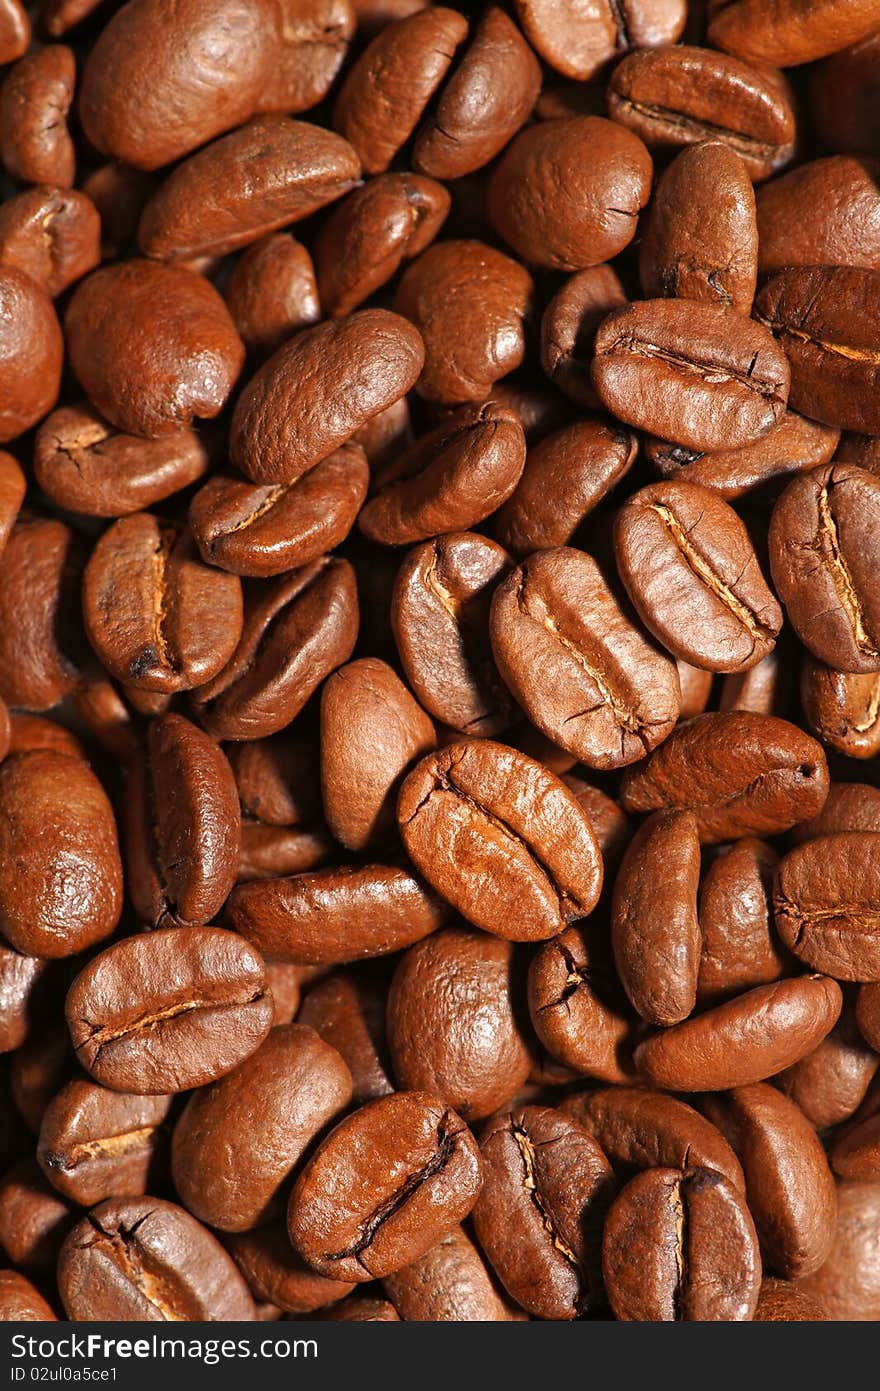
(440, 660)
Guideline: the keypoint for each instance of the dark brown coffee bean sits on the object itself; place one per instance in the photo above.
(566, 476)
(781, 1302)
(546, 1186)
(842, 708)
(797, 35)
(35, 98)
(746, 1039)
(684, 95)
(85, 465)
(448, 1284)
(338, 914)
(741, 774)
(296, 631)
(239, 1140)
(386, 91)
(855, 1152)
(21, 1302)
(826, 212)
(583, 673)
(272, 293)
(577, 1007)
(13, 486)
(278, 778)
(96, 1144)
(739, 948)
(700, 239)
(275, 1272)
(567, 194)
(451, 1024)
(610, 823)
(33, 1219)
(314, 36)
(51, 234)
(31, 353)
(680, 1244)
(144, 1260)
(825, 902)
(39, 1069)
(267, 851)
(347, 1009)
(700, 375)
(569, 326)
(791, 446)
(851, 125)
(27, 987)
(402, 1171)
(848, 1284)
(827, 319)
(440, 619)
(579, 43)
(152, 346)
(169, 1010)
(501, 838)
(157, 617)
(851, 806)
(316, 391)
(371, 731)
(822, 554)
(830, 1083)
(120, 194)
(764, 689)
(40, 625)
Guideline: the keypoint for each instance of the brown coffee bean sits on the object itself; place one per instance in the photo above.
(169, 1010)
(264, 530)
(822, 544)
(850, 125)
(577, 1007)
(365, 241)
(402, 1171)
(314, 35)
(569, 326)
(739, 948)
(680, 1244)
(830, 1083)
(690, 570)
(825, 902)
(386, 91)
(654, 927)
(27, 986)
(338, 914)
(40, 580)
(85, 465)
(39, 1069)
(330, 380)
(120, 194)
(451, 1024)
(449, 480)
(277, 1273)
(268, 851)
(31, 353)
(501, 839)
(826, 318)
(272, 293)
(15, 31)
(855, 1153)
(60, 871)
(33, 1219)
(21, 1302)
(35, 98)
(765, 688)
(611, 825)
(96, 1144)
(746, 1039)
(579, 43)
(448, 1284)
(13, 486)
(574, 661)
(371, 731)
(826, 212)
(51, 234)
(684, 95)
(386, 432)
(566, 476)
(546, 1186)
(145, 1260)
(797, 35)
(296, 631)
(489, 96)
(791, 446)
(700, 238)
(239, 1140)
(781, 1302)
(152, 346)
(848, 1284)
(156, 616)
(851, 806)
(278, 778)
(164, 77)
(440, 619)
(347, 1009)
(698, 374)
(741, 774)
(842, 708)
(567, 194)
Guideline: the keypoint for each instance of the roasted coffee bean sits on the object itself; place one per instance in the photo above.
(314, 41)
(567, 194)
(581, 670)
(238, 1140)
(792, 445)
(579, 43)
(13, 486)
(330, 380)
(826, 212)
(610, 823)
(448, 1284)
(577, 1007)
(826, 904)
(51, 234)
(850, 125)
(746, 1039)
(822, 543)
(120, 193)
(700, 375)
(851, 806)
(169, 1010)
(15, 31)
(39, 1069)
(295, 632)
(278, 778)
(31, 353)
(35, 98)
(798, 33)
(700, 239)
(868, 1014)
(741, 774)
(654, 928)
(569, 326)
(501, 839)
(764, 688)
(848, 1284)
(781, 1302)
(347, 1009)
(267, 851)
(277, 1273)
(21, 1302)
(440, 618)
(156, 616)
(26, 989)
(545, 1189)
(830, 1083)
(855, 1154)
(680, 1244)
(33, 1219)
(826, 318)
(691, 572)
(263, 530)
(371, 731)
(60, 870)
(40, 625)
(85, 465)
(739, 947)
(842, 708)
(95, 1143)
(684, 95)
(145, 1260)
(272, 293)
(451, 1025)
(338, 914)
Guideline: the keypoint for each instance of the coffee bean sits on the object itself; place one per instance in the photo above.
(580, 44)
(792, 445)
(33, 1219)
(21, 1302)
(825, 904)
(272, 293)
(35, 98)
(31, 353)
(51, 234)
(347, 1009)
(95, 1143)
(569, 326)
(276, 1273)
(577, 1007)
(842, 708)
(739, 947)
(848, 1284)
(448, 1284)
(797, 36)
(781, 1302)
(830, 1083)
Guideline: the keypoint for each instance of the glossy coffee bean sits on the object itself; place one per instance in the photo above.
(51, 234)
(33, 1219)
(797, 36)
(21, 1301)
(579, 43)
(35, 98)
(31, 353)
(791, 446)
(825, 904)
(272, 293)
(842, 708)
(568, 329)
(347, 1009)
(95, 1143)
(577, 1007)
(848, 1285)
(739, 944)
(448, 1284)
